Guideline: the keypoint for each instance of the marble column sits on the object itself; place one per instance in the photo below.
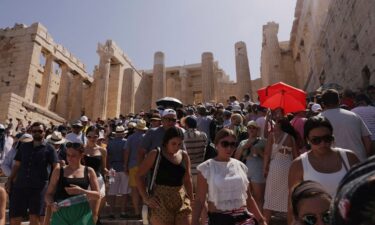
(114, 90)
(102, 84)
(184, 86)
(158, 78)
(271, 55)
(63, 94)
(242, 70)
(76, 98)
(128, 92)
(45, 89)
(89, 95)
(208, 85)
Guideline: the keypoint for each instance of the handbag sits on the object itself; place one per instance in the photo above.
(150, 186)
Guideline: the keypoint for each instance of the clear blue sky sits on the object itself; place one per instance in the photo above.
(182, 29)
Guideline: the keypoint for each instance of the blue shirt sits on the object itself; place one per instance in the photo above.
(36, 162)
(132, 145)
(115, 152)
(153, 138)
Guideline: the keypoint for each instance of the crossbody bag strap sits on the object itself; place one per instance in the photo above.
(343, 161)
(156, 167)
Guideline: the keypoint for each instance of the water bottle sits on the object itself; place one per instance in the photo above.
(72, 201)
(112, 174)
(145, 215)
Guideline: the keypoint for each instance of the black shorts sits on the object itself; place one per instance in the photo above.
(23, 199)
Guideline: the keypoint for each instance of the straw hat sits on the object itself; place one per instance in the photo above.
(56, 138)
(141, 125)
(120, 130)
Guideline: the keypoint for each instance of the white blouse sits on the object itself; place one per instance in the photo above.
(227, 183)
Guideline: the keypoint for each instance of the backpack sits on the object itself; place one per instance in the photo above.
(354, 202)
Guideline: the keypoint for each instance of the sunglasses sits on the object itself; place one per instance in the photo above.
(326, 138)
(226, 144)
(74, 145)
(311, 219)
(169, 119)
(37, 131)
(95, 136)
(252, 128)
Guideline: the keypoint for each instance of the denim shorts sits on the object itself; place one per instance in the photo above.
(23, 199)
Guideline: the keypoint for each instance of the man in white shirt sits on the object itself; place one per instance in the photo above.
(349, 130)
(6, 142)
(367, 114)
(77, 136)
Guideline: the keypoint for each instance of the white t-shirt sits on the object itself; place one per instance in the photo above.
(367, 114)
(7, 147)
(227, 183)
(76, 138)
(348, 129)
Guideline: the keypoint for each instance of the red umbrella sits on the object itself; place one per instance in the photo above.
(281, 95)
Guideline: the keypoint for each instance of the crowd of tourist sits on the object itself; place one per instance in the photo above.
(215, 163)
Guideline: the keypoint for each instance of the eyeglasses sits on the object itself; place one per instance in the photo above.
(311, 219)
(74, 145)
(226, 144)
(166, 119)
(326, 138)
(37, 131)
(252, 128)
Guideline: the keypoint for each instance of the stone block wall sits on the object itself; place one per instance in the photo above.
(17, 107)
(331, 42)
(349, 50)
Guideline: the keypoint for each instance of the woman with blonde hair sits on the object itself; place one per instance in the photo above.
(239, 129)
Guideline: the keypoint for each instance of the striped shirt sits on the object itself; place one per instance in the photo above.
(195, 142)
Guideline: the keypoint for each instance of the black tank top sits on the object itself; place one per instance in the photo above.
(94, 162)
(64, 182)
(170, 174)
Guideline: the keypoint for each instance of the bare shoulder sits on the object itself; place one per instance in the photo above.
(184, 154)
(352, 158)
(102, 150)
(2, 193)
(91, 171)
(296, 164)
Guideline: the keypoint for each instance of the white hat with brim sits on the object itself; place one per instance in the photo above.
(141, 125)
(119, 130)
(26, 138)
(56, 138)
(252, 123)
(84, 119)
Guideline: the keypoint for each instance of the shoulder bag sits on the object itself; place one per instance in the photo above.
(150, 187)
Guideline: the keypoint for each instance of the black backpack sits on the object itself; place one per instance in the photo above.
(355, 194)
